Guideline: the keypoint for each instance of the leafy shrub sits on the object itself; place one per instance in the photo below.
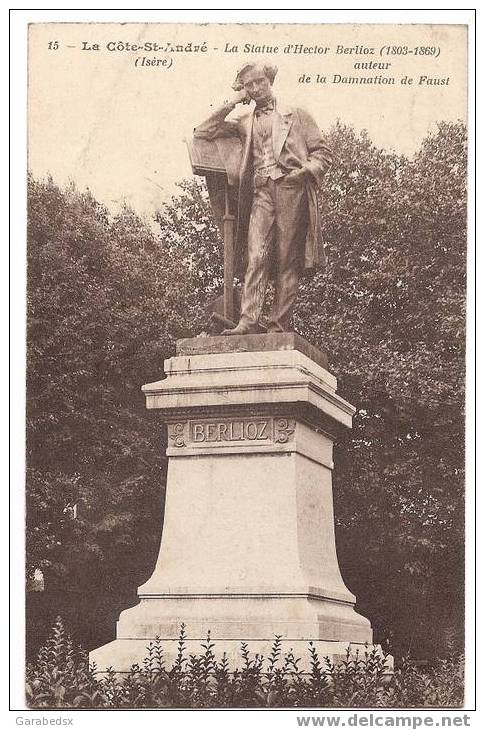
(62, 677)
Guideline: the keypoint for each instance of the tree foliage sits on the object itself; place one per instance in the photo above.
(104, 308)
(390, 310)
(108, 296)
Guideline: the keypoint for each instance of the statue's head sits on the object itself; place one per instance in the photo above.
(257, 79)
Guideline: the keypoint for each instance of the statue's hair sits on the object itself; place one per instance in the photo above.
(269, 71)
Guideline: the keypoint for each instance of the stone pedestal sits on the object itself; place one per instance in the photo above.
(248, 544)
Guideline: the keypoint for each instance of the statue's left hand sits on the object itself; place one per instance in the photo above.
(296, 175)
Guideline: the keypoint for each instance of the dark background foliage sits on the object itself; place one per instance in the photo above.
(109, 295)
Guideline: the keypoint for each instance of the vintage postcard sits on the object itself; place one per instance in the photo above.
(246, 290)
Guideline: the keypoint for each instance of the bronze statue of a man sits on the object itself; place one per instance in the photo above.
(283, 163)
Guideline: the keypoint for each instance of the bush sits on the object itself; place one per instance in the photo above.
(61, 677)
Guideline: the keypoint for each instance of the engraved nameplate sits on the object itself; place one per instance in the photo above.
(207, 432)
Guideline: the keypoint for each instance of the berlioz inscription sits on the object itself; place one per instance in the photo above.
(243, 430)
(231, 431)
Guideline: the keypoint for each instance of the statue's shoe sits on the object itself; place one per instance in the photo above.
(242, 330)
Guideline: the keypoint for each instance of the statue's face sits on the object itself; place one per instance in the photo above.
(256, 84)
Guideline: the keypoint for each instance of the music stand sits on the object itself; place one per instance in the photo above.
(205, 158)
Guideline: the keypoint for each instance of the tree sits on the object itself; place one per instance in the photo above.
(105, 304)
(391, 309)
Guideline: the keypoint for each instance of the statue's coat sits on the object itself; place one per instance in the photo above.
(297, 143)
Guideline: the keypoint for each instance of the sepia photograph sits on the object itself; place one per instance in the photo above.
(245, 365)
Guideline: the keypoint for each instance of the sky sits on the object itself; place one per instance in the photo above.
(109, 122)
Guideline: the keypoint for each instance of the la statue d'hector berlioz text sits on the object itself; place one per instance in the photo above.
(362, 57)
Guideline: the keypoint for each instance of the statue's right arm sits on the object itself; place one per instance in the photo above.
(217, 125)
